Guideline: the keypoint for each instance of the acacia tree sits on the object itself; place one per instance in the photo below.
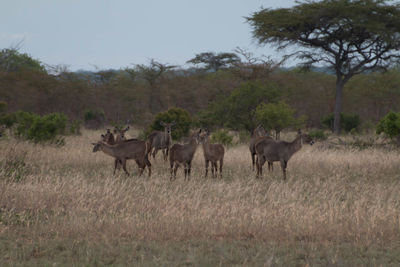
(214, 61)
(351, 36)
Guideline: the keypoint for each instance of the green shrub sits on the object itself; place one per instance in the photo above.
(237, 111)
(24, 121)
(318, 135)
(277, 116)
(47, 127)
(223, 137)
(8, 120)
(38, 128)
(390, 126)
(347, 121)
(94, 119)
(180, 116)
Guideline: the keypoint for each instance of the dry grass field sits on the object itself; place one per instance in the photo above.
(63, 207)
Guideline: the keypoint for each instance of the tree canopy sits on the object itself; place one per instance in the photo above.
(11, 60)
(237, 111)
(213, 61)
(352, 36)
(277, 116)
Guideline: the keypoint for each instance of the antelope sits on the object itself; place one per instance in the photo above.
(271, 150)
(161, 140)
(121, 134)
(111, 140)
(213, 153)
(183, 154)
(131, 149)
(258, 134)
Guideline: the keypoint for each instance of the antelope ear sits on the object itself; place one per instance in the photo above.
(299, 131)
(108, 131)
(103, 136)
(127, 128)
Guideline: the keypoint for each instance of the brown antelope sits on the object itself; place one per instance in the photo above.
(271, 150)
(183, 154)
(213, 153)
(121, 134)
(161, 140)
(258, 134)
(126, 150)
(120, 137)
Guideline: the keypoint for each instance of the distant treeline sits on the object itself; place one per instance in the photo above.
(137, 94)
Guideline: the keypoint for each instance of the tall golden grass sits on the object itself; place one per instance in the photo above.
(330, 197)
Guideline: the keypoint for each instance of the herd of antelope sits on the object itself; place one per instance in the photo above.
(263, 148)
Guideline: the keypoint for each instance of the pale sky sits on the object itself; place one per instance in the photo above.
(117, 33)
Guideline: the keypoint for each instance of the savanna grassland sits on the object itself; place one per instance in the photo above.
(62, 206)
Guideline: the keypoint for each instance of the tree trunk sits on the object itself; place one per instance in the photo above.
(338, 105)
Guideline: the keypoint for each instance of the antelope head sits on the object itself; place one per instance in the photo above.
(167, 126)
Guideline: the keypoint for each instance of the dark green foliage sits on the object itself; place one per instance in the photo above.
(40, 128)
(277, 116)
(237, 111)
(47, 127)
(8, 119)
(318, 135)
(180, 116)
(24, 121)
(348, 121)
(94, 119)
(390, 126)
(222, 136)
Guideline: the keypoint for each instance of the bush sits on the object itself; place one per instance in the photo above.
(347, 121)
(318, 135)
(277, 116)
(8, 120)
(390, 126)
(24, 121)
(180, 116)
(94, 119)
(38, 128)
(237, 111)
(223, 137)
(47, 127)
